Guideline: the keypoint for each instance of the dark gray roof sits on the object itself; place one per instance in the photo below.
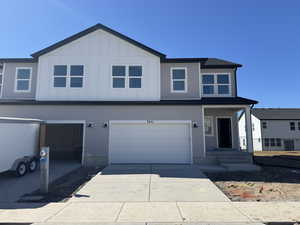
(92, 29)
(277, 113)
(203, 101)
(18, 60)
(205, 62)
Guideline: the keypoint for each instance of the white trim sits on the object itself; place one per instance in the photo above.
(29, 80)
(215, 84)
(3, 70)
(203, 130)
(217, 129)
(126, 77)
(200, 81)
(172, 80)
(83, 122)
(212, 126)
(189, 122)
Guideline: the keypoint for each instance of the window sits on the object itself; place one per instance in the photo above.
(253, 127)
(1, 78)
(298, 125)
(264, 125)
(208, 124)
(272, 140)
(76, 75)
(244, 142)
(278, 142)
(60, 76)
(118, 73)
(72, 78)
(292, 126)
(135, 76)
(208, 80)
(216, 84)
(23, 79)
(267, 143)
(178, 80)
(127, 76)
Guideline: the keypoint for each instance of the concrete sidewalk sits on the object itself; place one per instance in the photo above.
(152, 212)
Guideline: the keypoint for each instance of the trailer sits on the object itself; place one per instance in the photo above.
(19, 144)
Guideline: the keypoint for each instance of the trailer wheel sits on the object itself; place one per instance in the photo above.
(21, 169)
(32, 165)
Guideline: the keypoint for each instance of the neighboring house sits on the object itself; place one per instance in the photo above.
(109, 99)
(273, 129)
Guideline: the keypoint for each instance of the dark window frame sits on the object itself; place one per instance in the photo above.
(292, 126)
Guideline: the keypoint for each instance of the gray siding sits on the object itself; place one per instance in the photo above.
(232, 76)
(211, 141)
(9, 81)
(96, 138)
(192, 81)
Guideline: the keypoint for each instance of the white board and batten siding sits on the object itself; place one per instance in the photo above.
(98, 51)
(16, 141)
(150, 142)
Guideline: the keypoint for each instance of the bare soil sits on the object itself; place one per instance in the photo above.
(270, 184)
(64, 187)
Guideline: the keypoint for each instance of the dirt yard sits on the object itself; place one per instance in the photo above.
(270, 184)
(278, 158)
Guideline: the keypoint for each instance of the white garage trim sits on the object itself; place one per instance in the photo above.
(188, 122)
(83, 122)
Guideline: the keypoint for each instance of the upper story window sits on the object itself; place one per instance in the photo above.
(76, 76)
(68, 78)
(292, 126)
(23, 79)
(216, 84)
(178, 80)
(127, 76)
(264, 125)
(298, 125)
(1, 77)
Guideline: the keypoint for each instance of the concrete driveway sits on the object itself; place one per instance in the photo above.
(12, 187)
(150, 183)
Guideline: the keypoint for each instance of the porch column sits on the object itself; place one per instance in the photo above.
(248, 124)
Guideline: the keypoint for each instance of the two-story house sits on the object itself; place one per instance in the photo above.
(109, 99)
(274, 129)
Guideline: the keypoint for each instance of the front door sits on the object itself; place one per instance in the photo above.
(224, 133)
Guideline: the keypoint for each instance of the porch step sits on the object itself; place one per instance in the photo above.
(230, 157)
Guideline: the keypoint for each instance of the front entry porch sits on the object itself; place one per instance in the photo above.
(222, 135)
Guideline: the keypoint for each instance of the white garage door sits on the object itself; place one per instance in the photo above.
(150, 142)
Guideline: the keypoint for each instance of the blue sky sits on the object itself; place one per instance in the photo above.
(263, 35)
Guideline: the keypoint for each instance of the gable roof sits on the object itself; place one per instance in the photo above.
(277, 113)
(90, 30)
(205, 62)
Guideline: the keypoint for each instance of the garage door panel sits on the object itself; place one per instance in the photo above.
(150, 143)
